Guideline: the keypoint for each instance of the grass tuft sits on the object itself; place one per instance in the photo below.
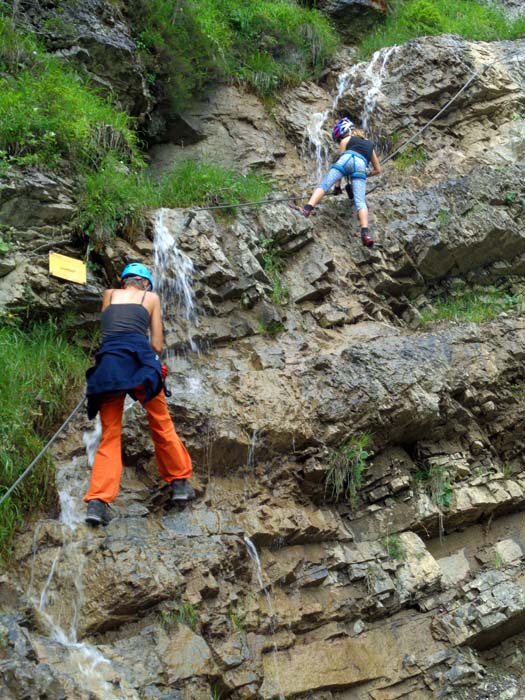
(476, 306)
(347, 466)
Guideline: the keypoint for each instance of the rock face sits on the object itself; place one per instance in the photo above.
(319, 382)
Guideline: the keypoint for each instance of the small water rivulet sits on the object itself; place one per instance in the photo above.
(316, 143)
(254, 556)
(173, 272)
(58, 603)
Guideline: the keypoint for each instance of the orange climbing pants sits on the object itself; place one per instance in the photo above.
(173, 459)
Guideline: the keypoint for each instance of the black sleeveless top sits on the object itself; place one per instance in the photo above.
(125, 318)
(364, 147)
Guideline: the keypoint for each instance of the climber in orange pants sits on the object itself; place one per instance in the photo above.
(173, 459)
(127, 362)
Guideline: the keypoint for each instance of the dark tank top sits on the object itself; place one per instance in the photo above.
(364, 147)
(125, 318)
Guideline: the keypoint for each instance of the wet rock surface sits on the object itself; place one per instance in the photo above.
(410, 586)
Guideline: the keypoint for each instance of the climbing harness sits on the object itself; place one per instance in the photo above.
(43, 451)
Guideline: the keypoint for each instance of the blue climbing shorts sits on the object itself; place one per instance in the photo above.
(350, 165)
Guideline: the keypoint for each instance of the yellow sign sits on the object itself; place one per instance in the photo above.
(67, 268)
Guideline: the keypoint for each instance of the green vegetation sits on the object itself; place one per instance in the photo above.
(114, 199)
(273, 263)
(49, 116)
(347, 465)
(472, 305)
(271, 328)
(443, 218)
(510, 198)
(436, 480)
(264, 44)
(409, 157)
(394, 547)
(236, 618)
(216, 693)
(187, 615)
(41, 373)
(497, 561)
(468, 18)
(204, 184)
(52, 119)
(184, 615)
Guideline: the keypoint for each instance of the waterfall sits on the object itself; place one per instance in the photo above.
(375, 74)
(316, 142)
(251, 451)
(173, 274)
(254, 556)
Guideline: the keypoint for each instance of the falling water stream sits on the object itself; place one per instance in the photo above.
(254, 556)
(58, 604)
(316, 142)
(173, 273)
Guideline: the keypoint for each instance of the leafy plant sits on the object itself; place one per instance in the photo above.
(187, 615)
(273, 263)
(216, 693)
(410, 157)
(169, 618)
(271, 328)
(497, 561)
(347, 466)
(471, 19)
(443, 218)
(207, 184)
(510, 198)
(236, 619)
(41, 373)
(436, 480)
(394, 547)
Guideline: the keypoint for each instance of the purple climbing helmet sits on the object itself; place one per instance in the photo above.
(342, 128)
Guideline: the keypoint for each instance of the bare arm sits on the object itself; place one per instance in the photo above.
(376, 165)
(155, 325)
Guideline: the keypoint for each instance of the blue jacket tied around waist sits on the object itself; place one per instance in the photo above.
(124, 362)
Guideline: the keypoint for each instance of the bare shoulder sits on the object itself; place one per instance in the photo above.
(106, 298)
(152, 301)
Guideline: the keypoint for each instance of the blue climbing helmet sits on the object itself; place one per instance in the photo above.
(137, 270)
(342, 128)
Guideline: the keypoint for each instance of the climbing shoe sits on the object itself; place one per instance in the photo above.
(98, 513)
(366, 239)
(305, 211)
(181, 490)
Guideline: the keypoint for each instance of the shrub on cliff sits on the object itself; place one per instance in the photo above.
(468, 18)
(263, 44)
